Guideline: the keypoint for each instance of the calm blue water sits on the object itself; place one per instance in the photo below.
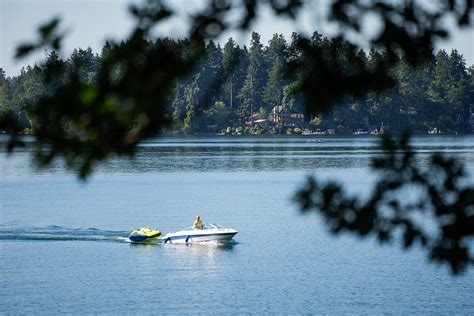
(62, 245)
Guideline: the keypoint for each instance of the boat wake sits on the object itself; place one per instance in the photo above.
(58, 233)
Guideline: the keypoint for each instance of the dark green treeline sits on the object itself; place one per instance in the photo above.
(232, 82)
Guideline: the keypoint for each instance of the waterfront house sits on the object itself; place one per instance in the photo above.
(281, 116)
(251, 119)
(295, 120)
(264, 123)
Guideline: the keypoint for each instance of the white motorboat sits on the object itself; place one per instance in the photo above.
(210, 232)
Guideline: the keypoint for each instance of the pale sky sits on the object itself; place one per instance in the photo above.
(91, 22)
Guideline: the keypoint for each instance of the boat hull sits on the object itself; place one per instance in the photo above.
(196, 237)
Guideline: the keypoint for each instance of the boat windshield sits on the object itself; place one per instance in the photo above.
(214, 226)
(204, 226)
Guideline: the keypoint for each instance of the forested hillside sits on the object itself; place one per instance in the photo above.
(239, 87)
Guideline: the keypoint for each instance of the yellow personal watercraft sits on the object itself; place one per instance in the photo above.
(144, 234)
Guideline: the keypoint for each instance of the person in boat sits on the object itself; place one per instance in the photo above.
(197, 223)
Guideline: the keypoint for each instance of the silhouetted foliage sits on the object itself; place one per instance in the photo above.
(440, 218)
(85, 119)
(48, 37)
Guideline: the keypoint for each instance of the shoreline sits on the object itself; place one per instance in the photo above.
(32, 135)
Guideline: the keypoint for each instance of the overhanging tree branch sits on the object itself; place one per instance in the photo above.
(440, 218)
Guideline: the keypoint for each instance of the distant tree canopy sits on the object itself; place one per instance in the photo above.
(89, 107)
(231, 83)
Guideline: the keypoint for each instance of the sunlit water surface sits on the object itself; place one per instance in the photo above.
(63, 247)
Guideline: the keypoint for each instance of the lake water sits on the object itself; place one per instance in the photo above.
(63, 247)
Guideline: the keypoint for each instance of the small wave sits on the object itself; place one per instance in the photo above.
(89, 228)
(54, 227)
(58, 233)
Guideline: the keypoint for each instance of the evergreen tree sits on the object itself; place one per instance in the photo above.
(449, 91)
(383, 107)
(190, 124)
(234, 67)
(458, 90)
(33, 84)
(470, 101)
(52, 83)
(292, 99)
(4, 92)
(412, 84)
(85, 63)
(276, 58)
(208, 78)
(251, 92)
